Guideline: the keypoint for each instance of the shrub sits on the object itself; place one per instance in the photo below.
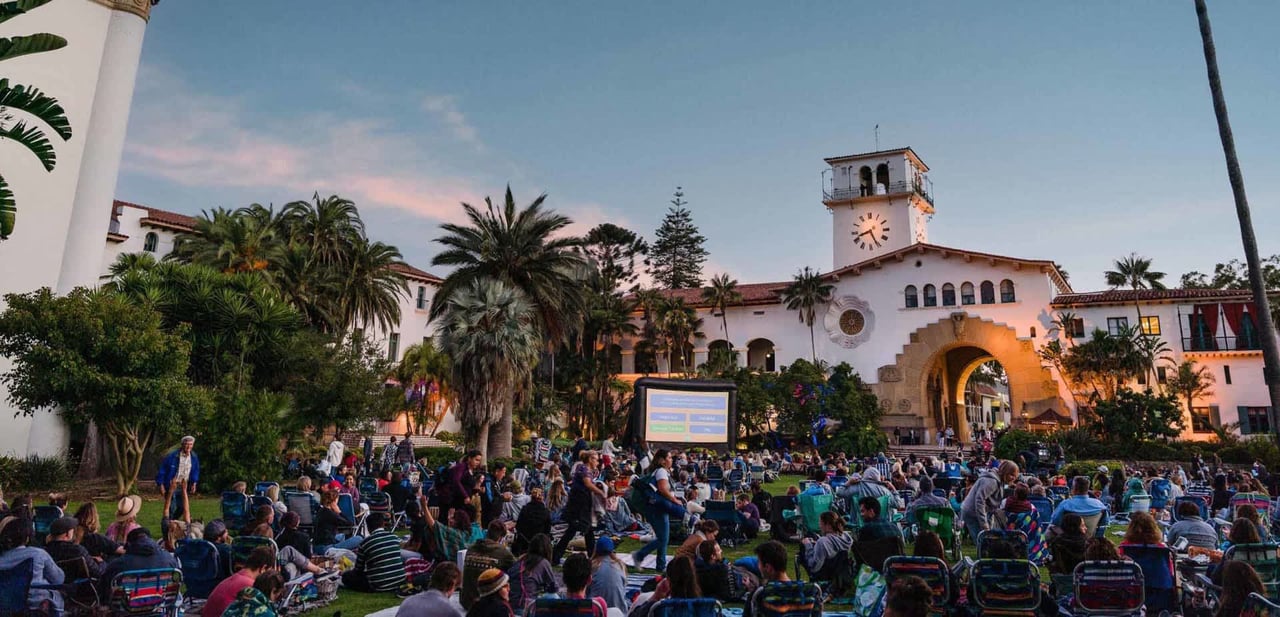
(35, 473)
(1089, 467)
(434, 458)
(241, 439)
(1014, 441)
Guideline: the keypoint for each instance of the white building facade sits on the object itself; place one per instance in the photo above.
(916, 319)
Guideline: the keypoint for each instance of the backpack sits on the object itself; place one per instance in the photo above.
(641, 491)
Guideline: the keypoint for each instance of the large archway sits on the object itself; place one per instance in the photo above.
(925, 385)
(760, 355)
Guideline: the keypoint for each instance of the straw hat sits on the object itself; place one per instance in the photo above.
(128, 507)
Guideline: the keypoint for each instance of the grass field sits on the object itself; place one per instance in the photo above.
(353, 604)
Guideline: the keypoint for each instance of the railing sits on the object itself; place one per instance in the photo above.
(895, 188)
(1195, 336)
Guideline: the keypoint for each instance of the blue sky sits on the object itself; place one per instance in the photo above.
(1069, 131)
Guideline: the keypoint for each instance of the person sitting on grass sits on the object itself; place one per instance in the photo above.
(261, 560)
(434, 602)
(819, 555)
(450, 538)
(909, 596)
(609, 576)
(713, 572)
(681, 582)
(875, 524)
(294, 562)
(260, 599)
(534, 519)
(705, 530)
(378, 565)
(531, 575)
(484, 555)
(1190, 526)
(15, 536)
(750, 516)
(495, 592)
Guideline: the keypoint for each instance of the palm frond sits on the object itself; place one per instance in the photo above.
(9, 10)
(8, 209)
(16, 46)
(34, 139)
(33, 101)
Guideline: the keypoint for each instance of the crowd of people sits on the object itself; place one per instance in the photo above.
(490, 540)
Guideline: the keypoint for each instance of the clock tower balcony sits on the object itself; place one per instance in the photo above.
(923, 190)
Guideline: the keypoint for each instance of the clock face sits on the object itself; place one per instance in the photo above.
(871, 232)
(852, 322)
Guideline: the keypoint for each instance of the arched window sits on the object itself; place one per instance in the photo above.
(966, 294)
(912, 299)
(149, 244)
(882, 174)
(930, 295)
(1033, 331)
(865, 181)
(988, 292)
(1006, 291)
(948, 294)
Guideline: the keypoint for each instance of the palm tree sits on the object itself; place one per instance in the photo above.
(723, 293)
(371, 288)
(242, 240)
(524, 249)
(29, 101)
(1135, 273)
(490, 331)
(677, 322)
(428, 373)
(1266, 324)
(1153, 351)
(1190, 382)
(806, 291)
(327, 227)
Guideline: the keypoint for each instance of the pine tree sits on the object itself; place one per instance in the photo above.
(676, 259)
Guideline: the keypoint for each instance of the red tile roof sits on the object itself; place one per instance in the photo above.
(182, 222)
(1127, 296)
(752, 294)
(411, 272)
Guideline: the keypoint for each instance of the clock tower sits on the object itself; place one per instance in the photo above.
(880, 202)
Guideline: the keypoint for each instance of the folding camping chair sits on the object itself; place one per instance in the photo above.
(1160, 490)
(563, 607)
(16, 585)
(1265, 561)
(940, 520)
(43, 517)
(1109, 588)
(1005, 587)
(305, 506)
(875, 552)
(1044, 506)
(78, 589)
(1029, 524)
(201, 567)
(838, 482)
(368, 485)
(987, 541)
(733, 481)
(811, 508)
(1137, 503)
(788, 599)
(715, 476)
(348, 507)
(147, 592)
(263, 489)
(686, 607)
(1159, 577)
(235, 510)
(1258, 606)
(1259, 501)
(782, 525)
(932, 570)
(243, 545)
(1199, 501)
(730, 520)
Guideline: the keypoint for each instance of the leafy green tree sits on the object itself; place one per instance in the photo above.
(100, 359)
(1138, 417)
(240, 439)
(31, 103)
(722, 294)
(490, 331)
(806, 292)
(677, 324)
(616, 252)
(339, 383)
(1234, 274)
(675, 261)
(852, 403)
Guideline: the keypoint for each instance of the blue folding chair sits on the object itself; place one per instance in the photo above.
(368, 485)
(235, 510)
(1158, 574)
(1160, 490)
(1005, 587)
(15, 588)
(1044, 506)
(1201, 504)
(348, 507)
(306, 507)
(733, 482)
(201, 566)
(43, 518)
(715, 476)
(262, 489)
(686, 607)
(242, 546)
(730, 520)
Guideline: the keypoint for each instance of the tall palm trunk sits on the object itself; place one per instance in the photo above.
(813, 347)
(1270, 349)
(499, 438)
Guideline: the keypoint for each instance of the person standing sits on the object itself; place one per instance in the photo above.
(404, 454)
(897, 435)
(368, 454)
(389, 455)
(179, 474)
(456, 487)
(336, 450)
(984, 498)
(659, 512)
(577, 513)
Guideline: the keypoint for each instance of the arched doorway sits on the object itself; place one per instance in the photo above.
(682, 358)
(615, 358)
(646, 358)
(720, 355)
(933, 368)
(760, 355)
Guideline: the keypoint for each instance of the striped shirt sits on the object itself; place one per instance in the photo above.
(378, 556)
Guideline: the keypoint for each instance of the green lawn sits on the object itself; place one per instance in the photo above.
(353, 604)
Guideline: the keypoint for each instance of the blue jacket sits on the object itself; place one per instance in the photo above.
(169, 468)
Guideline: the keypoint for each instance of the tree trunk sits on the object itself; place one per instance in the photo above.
(499, 439)
(813, 347)
(1270, 348)
(91, 459)
(482, 440)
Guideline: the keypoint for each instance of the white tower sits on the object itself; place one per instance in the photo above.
(880, 202)
(63, 215)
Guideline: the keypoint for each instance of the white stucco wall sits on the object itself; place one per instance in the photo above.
(45, 199)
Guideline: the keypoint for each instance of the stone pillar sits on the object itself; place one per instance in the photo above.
(99, 169)
(628, 361)
(741, 354)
